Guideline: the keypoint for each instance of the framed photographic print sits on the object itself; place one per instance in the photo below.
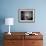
(26, 15)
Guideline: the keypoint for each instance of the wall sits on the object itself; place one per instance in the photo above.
(9, 8)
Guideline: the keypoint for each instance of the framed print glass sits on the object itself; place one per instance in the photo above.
(26, 15)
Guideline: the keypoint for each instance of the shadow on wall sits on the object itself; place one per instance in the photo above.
(2, 21)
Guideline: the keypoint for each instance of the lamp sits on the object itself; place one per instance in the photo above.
(9, 21)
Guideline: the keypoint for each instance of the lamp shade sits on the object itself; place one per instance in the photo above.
(9, 21)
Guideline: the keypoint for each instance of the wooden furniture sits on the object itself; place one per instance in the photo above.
(20, 39)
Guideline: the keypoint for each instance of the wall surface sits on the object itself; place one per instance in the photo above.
(9, 8)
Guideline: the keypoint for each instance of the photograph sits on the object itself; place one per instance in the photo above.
(26, 15)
